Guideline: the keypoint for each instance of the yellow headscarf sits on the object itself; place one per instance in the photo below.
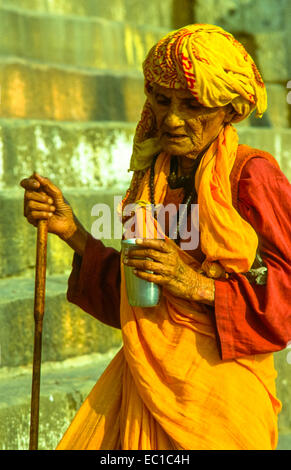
(217, 70)
(212, 65)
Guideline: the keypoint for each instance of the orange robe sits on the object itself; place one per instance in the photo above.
(167, 388)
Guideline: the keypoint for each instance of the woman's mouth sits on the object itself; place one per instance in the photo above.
(173, 136)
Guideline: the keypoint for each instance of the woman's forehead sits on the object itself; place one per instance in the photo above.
(169, 92)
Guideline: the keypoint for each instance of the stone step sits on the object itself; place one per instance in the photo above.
(287, 14)
(31, 90)
(92, 41)
(272, 56)
(283, 387)
(18, 237)
(284, 442)
(76, 41)
(37, 91)
(248, 16)
(96, 154)
(278, 111)
(273, 140)
(67, 330)
(153, 13)
(64, 387)
(72, 154)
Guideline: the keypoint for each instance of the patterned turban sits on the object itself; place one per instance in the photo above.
(212, 65)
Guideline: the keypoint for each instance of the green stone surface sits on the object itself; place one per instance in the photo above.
(67, 330)
(64, 387)
(40, 91)
(82, 42)
(130, 11)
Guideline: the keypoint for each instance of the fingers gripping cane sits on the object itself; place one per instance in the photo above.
(39, 301)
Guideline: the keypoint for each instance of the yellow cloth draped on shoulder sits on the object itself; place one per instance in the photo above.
(168, 388)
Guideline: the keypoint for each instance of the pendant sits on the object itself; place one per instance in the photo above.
(177, 181)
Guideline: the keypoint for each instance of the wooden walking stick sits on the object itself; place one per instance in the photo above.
(39, 301)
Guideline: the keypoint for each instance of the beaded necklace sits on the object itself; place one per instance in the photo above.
(175, 181)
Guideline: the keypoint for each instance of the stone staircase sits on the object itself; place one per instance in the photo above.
(71, 95)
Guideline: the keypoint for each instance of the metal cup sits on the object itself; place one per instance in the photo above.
(140, 293)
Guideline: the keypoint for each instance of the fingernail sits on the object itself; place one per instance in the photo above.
(125, 260)
(126, 251)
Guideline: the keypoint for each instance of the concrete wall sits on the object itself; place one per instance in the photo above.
(71, 95)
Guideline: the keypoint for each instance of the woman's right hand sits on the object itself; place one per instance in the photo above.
(44, 200)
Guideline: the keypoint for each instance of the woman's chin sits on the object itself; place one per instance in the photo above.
(178, 149)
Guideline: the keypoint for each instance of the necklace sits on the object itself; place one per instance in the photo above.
(175, 181)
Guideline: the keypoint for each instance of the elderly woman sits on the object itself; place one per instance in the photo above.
(196, 371)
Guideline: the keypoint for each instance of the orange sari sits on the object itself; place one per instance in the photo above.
(167, 388)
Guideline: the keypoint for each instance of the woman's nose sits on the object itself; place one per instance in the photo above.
(173, 118)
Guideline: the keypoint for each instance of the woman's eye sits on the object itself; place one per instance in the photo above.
(163, 102)
(192, 104)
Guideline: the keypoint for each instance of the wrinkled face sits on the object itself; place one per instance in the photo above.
(184, 126)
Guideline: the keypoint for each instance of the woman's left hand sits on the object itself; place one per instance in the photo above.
(163, 258)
